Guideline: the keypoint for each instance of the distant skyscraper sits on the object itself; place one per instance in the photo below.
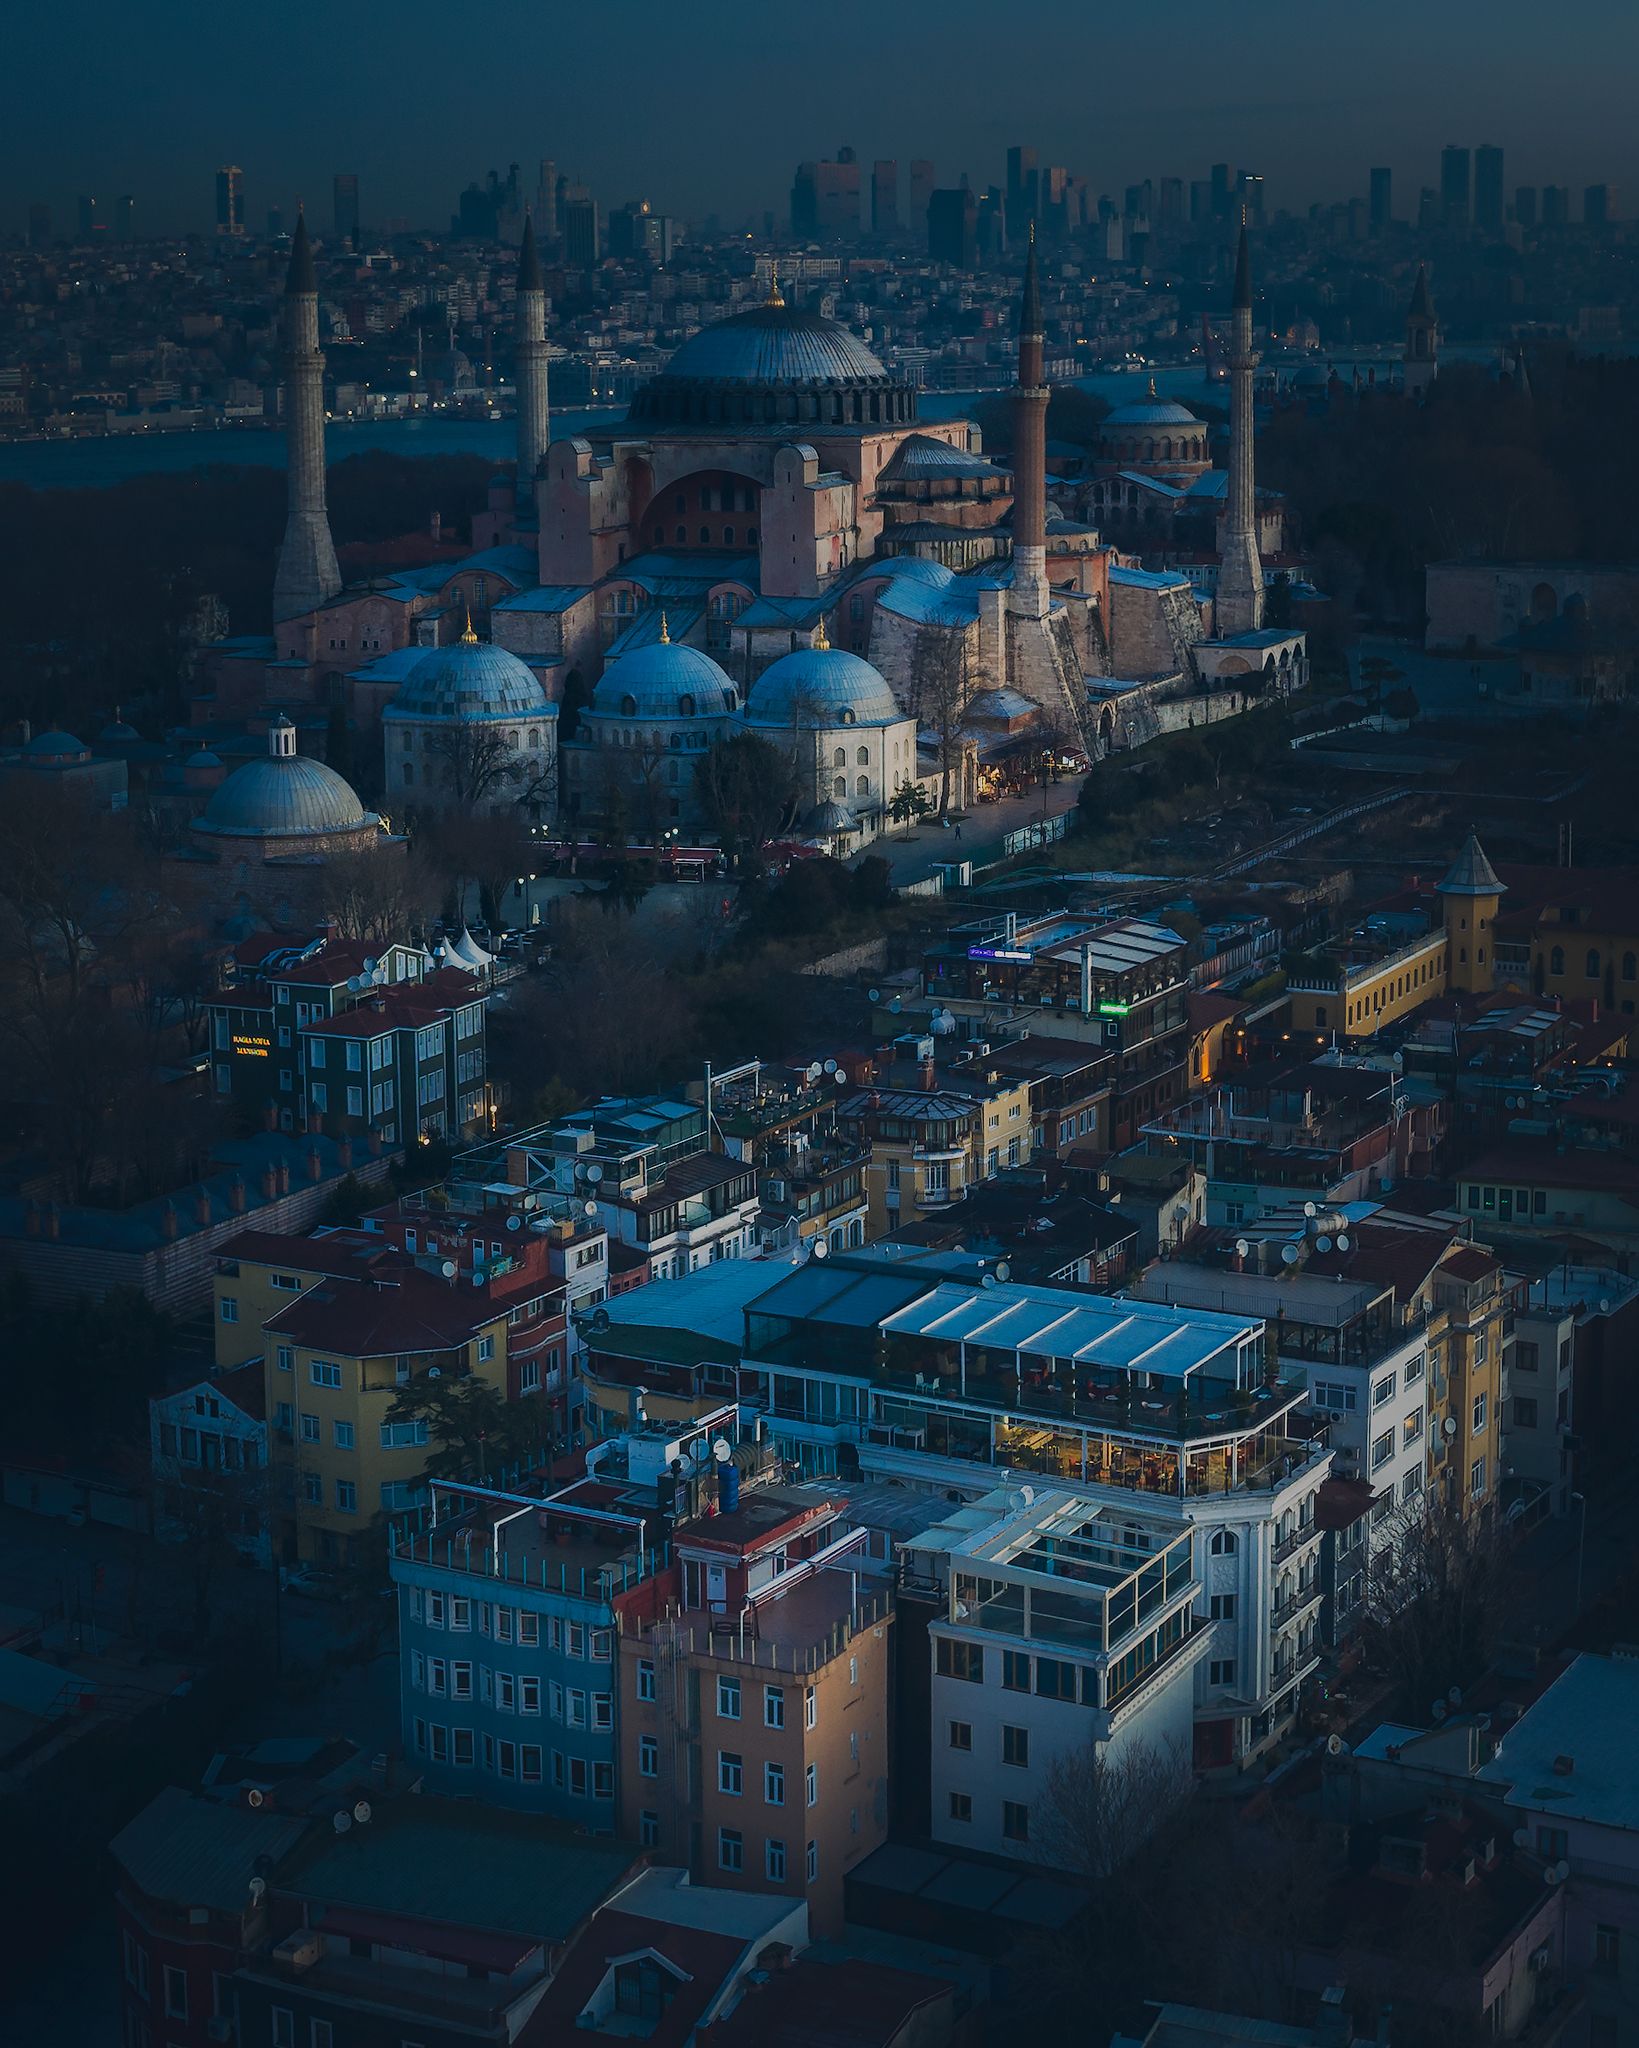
(1223, 178)
(39, 225)
(578, 224)
(885, 196)
(347, 209)
(1382, 198)
(1169, 200)
(825, 198)
(546, 201)
(1525, 205)
(1200, 201)
(921, 190)
(1488, 189)
(230, 200)
(530, 344)
(125, 218)
(953, 223)
(1421, 360)
(1598, 206)
(1454, 186)
(1022, 181)
(1556, 205)
(89, 221)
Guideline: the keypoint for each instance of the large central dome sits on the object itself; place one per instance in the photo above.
(770, 368)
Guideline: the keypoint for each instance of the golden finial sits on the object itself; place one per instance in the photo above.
(820, 640)
(469, 638)
(775, 296)
(1152, 387)
(1032, 231)
(665, 632)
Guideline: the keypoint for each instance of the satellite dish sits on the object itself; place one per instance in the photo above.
(600, 1319)
(361, 1812)
(1003, 1270)
(514, 1223)
(1455, 1696)
(1029, 1493)
(448, 1269)
(258, 1890)
(820, 1249)
(594, 1173)
(1289, 1254)
(875, 994)
(1309, 1209)
(987, 1279)
(1342, 1241)
(1450, 1425)
(896, 1006)
(814, 1070)
(720, 1449)
(369, 966)
(1522, 1838)
(255, 1796)
(1556, 1873)
(341, 1821)
(353, 983)
(831, 1067)
(435, 1372)
(1242, 1248)
(1334, 1745)
(478, 1278)
(1323, 1244)
(589, 1208)
(1438, 1710)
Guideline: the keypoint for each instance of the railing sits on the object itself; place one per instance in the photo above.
(1295, 1604)
(1289, 1546)
(732, 1639)
(470, 1554)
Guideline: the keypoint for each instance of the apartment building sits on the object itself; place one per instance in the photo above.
(342, 1324)
(753, 1698)
(810, 1176)
(208, 1454)
(349, 1039)
(1063, 1626)
(924, 1149)
(930, 1372)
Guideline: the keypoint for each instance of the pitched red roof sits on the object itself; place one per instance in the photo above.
(703, 1958)
(849, 2003)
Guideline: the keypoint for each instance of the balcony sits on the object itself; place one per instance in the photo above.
(1296, 1605)
(1289, 1546)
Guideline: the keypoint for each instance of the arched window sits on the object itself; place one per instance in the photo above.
(409, 774)
(1224, 1543)
(1556, 960)
(863, 757)
(682, 536)
(628, 707)
(751, 536)
(705, 536)
(685, 707)
(840, 787)
(840, 758)
(862, 785)
(728, 536)
(534, 739)
(1593, 963)
(512, 742)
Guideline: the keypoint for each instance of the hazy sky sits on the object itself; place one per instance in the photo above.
(707, 104)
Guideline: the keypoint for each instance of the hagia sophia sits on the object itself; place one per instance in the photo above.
(771, 542)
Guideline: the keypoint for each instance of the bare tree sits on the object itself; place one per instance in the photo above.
(380, 894)
(942, 689)
(217, 1514)
(1099, 1805)
(1436, 1597)
(470, 761)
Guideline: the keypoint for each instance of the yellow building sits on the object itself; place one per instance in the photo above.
(1471, 1320)
(929, 1146)
(1367, 992)
(1469, 895)
(342, 1324)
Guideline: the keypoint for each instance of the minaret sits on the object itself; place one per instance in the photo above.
(533, 421)
(1240, 572)
(1028, 598)
(1422, 356)
(307, 576)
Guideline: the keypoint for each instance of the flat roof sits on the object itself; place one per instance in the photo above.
(1302, 1297)
(1127, 1333)
(1588, 1715)
(710, 1303)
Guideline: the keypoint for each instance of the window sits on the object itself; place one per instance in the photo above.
(961, 1806)
(343, 1432)
(648, 1828)
(730, 1849)
(1525, 1412)
(728, 1699)
(347, 1497)
(774, 1861)
(1224, 1543)
(310, 1428)
(959, 1660)
(1382, 1449)
(1016, 1746)
(529, 1695)
(1607, 1949)
(812, 1864)
(1526, 1357)
(282, 1358)
(730, 1772)
(176, 1993)
(324, 1372)
(320, 2034)
(486, 1350)
(1383, 1390)
(1016, 1670)
(810, 1707)
(1476, 1478)
(463, 1747)
(506, 1691)
(773, 1706)
(774, 1784)
(1411, 1429)
(1553, 1844)
(461, 1681)
(810, 1780)
(313, 1489)
(1222, 1607)
(648, 1757)
(1221, 1671)
(961, 1734)
(1479, 1413)
(645, 1680)
(1015, 1821)
(1414, 1369)
(284, 2027)
(230, 1309)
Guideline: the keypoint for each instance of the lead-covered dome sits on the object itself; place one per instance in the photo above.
(473, 679)
(664, 680)
(821, 687)
(285, 796)
(774, 366)
(1151, 412)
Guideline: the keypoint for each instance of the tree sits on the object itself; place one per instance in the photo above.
(473, 1431)
(1098, 1806)
(910, 805)
(380, 894)
(472, 765)
(216, 1514)
(486, 850)
(1436, 1598)
(748, 790)
(1375, 672)
(941, 692)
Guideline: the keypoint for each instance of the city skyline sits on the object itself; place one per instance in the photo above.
(1273, 100)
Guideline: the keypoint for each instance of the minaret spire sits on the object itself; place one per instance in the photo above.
(307, 576)
(1240, 571)
(1028, 597)
(534, 421)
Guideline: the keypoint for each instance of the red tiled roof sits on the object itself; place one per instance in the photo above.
(1606, 900)
(411, 1311)
(1547, 1168)
(705, 1959)
(1469, 1262)
(404, 1006)
(826, 2005)
(1209, 1006)
(342, 1252)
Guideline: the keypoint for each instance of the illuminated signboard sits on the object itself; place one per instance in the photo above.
(1000, 953)
(1113, 1009)
(252, 1048)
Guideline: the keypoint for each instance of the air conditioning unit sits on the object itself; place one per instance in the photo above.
(219, 2029)
(300, 1950)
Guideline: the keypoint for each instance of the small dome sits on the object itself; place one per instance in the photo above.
(56, 745)
(470, 680)
(202, 757)
(118, 734)
(664, 679)
(285, 796)
(824, 686)
(1151, 412)
(830, 817)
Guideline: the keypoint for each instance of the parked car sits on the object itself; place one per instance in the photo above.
(309, 1582)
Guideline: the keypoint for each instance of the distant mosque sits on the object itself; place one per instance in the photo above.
(771, 495)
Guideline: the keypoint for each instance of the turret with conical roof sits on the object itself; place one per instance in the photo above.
(307, 576)
(1239, 607)
(1421, 361)
(534, 422)
(1470, 893)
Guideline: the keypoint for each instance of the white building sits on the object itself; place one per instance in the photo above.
(208, 1449)
(471, 728)
(1066, 1626)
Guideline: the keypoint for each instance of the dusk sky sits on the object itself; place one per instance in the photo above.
(708, 106)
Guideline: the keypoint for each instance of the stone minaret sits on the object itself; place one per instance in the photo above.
(1240, 572)
(1028, 598)
(1421, 361)
(307, 576)
(533, 421)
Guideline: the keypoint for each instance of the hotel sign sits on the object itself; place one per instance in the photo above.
(1011, 953)
(252, 1046)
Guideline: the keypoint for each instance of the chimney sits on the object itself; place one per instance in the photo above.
(344, 1155)
(270, 1117)
(315, 1164)
(169, 1221)
(283, 1171)
(236, 1194)
(436, 526)
(270, 1183)
(202, 1206)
